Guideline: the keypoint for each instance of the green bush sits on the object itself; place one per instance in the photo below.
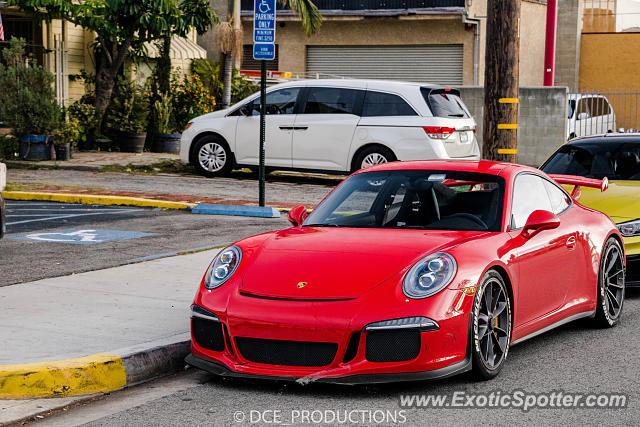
(209, 74)
(87, 119)
(128, 110)
(9, 147)
(27, 99)
(162, 110)
(190, 99)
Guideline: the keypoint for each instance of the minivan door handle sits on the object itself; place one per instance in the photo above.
(300, 127)
(286, 127)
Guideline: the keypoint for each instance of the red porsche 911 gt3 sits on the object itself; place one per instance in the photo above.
(408, 271)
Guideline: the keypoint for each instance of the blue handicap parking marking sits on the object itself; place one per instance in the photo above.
(79, 236)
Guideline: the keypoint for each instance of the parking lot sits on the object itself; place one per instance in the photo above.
(54, 239)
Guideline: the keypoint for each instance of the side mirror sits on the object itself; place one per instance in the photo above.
(297, 215)
(539, 220)
(582, 116)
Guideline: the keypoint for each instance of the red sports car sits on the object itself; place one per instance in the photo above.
(406, 271)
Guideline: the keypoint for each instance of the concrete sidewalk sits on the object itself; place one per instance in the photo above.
(97, 160)
(97, 331)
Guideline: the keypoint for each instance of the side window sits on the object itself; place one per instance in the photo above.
(328, 100)
(605, 107)
(529, 194)
(559, 200)
(582, 107)
(278, 102)
(385, 104)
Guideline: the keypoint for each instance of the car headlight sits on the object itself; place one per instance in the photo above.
(429, 275)
(631, 228)
(222, 267)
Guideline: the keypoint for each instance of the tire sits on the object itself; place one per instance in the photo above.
(611, 277)
(491, 325)
(212, 156)
(372, 155)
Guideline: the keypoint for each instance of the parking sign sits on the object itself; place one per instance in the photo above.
(264, 29)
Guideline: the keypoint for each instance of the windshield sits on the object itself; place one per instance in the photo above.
(414, 199)
(618, 160)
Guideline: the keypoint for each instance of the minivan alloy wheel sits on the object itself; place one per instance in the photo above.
(373, 159)
(212, 157)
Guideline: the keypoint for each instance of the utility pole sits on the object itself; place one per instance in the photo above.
(500, 124)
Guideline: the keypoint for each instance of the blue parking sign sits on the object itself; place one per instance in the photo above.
(264, 29)
(266, 51)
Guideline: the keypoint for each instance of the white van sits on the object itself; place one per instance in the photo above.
(589, 114)
(334, 126)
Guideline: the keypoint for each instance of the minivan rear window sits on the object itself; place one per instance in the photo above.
(444, 103)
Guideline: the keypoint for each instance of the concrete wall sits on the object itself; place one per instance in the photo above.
(542, 120)
(568, 42)
(345, 31)
(533, 21)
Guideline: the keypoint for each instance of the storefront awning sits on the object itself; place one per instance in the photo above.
(181, 48)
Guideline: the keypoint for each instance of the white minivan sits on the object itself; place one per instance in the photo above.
(334, 126)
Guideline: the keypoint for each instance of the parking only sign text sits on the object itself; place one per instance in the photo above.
(264, 29)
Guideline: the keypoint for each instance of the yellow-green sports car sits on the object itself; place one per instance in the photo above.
(617, 157)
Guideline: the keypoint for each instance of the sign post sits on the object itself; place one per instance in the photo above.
(264, 49)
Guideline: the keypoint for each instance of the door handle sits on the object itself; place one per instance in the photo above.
(571, 242)
(300, 127)
(286, 127)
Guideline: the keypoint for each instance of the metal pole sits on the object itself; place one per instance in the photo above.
(263, 111)
(550, 43)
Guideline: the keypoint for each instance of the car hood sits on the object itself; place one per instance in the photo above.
(621, 201)
(213, 115)
(334, 263)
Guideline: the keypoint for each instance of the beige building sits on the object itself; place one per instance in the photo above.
(436, 41)
(65, 50)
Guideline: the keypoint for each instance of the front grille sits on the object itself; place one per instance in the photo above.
(395, 345)
(633, 269)
(287, 353)
(207, 334)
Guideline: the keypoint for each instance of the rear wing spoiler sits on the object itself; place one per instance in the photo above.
(579, 182)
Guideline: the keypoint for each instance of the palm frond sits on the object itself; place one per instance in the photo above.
(308, 13)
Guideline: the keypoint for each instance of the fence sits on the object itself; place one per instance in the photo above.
(599, 111)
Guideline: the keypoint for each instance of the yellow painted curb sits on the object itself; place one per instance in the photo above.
(84, 375)
(90, 199)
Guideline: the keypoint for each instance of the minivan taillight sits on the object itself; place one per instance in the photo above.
(439, 132)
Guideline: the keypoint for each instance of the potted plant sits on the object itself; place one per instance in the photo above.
(85, 115)
(126, 118)
(68, 133)
(165, 139)
(28, 102)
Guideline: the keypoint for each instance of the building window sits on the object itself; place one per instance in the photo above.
(248, 63)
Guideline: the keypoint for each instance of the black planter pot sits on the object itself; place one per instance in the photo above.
(132, 142)
(87, 145)
(166, 143)
(35, 147)
(63, 151)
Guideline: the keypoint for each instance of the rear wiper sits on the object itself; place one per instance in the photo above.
(455, 115)
(321, 225)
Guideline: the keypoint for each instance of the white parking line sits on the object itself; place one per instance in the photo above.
(74, 215)
(26, 215)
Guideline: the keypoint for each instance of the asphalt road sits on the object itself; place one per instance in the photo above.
(166, 232)
(575, 358)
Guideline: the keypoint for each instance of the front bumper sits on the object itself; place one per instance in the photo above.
(327, 340)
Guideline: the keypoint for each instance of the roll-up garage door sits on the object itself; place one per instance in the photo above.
(441, 64)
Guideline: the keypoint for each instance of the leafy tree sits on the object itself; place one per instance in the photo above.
(121, 26)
